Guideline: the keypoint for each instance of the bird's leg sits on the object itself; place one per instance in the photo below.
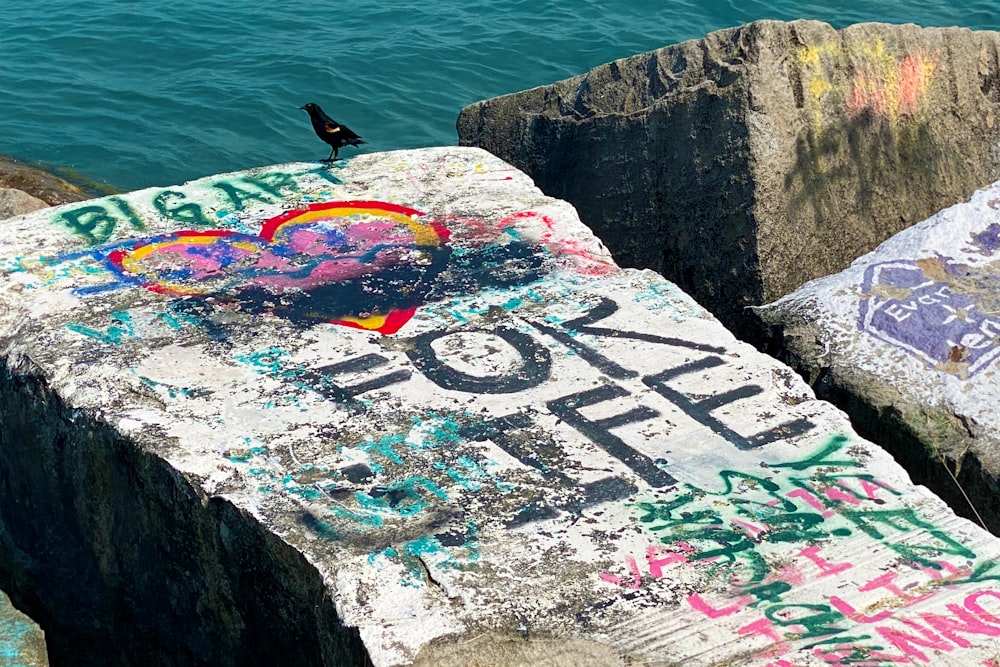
(329, 158)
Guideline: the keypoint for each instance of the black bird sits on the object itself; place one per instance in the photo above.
(331, 131)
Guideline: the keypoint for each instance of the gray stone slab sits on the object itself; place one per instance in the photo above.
(908, 337)
(15, 202)
(746, 163)
(405, 409)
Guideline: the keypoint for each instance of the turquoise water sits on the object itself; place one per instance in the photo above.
(136, 93)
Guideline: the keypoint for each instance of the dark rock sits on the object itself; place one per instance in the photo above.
(743, 164)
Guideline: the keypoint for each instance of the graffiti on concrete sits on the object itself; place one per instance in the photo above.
(866, 110)
(933, 309)
(519, 466)
(532, 368)
(759, 538)
(884, 83)
(102, 221)
(364, 264)
(480, 287)
(891, 87)
(452, 397)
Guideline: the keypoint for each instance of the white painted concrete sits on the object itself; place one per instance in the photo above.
(919, 318)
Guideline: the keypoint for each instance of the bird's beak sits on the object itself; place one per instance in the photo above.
(303, 107)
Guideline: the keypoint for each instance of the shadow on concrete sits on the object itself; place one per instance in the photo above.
(854, 185)
(122, 561)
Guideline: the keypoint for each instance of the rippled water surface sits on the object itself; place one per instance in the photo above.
(136, 93)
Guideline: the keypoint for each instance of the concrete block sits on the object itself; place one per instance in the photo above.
(746, 163)
(404, 409)
(907, 339)
(21, 641)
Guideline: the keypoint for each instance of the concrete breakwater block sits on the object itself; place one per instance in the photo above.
(746, 163)
(22, 643)
(405, 409)
(909, 336)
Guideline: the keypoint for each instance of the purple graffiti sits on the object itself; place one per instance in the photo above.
(931, 319)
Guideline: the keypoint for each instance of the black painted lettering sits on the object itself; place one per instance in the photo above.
(568, 408)
(508, 432)
(701, 410)
(511, 434)
(320, 380)
(535, 366)
(606, 308)
(587, 353)
(544, 506)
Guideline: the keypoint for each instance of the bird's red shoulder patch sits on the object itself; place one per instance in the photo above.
(331, 128)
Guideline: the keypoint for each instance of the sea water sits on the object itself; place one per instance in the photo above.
(136, 93)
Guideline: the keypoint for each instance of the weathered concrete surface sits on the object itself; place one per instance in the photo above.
(43, 185)
(22, 643)
(743, 164)
(406, 407)
(907, 339)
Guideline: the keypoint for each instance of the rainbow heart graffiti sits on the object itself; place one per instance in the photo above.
(364, 264)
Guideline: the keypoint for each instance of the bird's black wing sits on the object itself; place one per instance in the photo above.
(349, 134)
